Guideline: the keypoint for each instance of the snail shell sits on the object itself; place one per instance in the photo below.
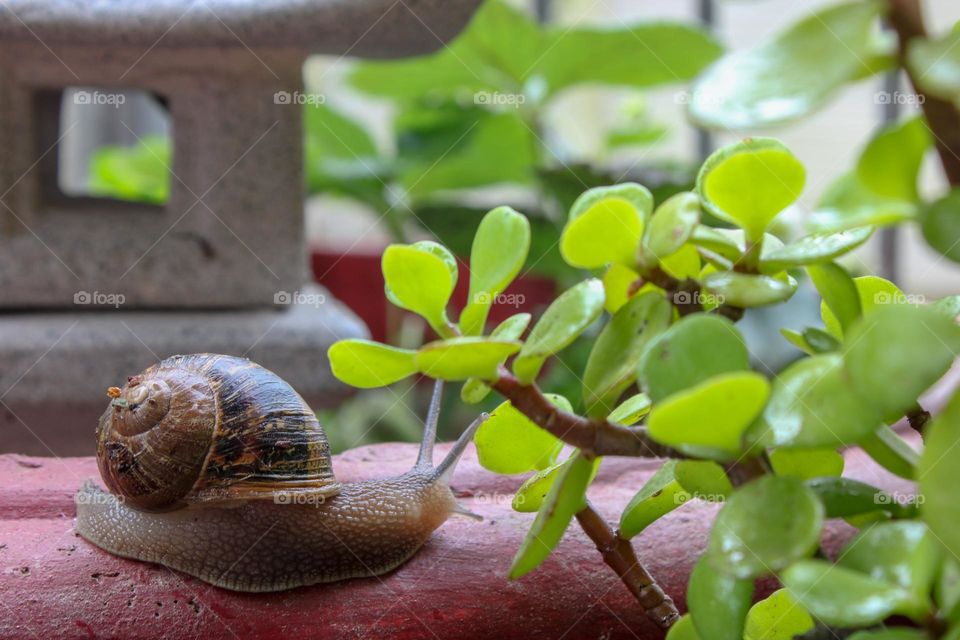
(209, 427)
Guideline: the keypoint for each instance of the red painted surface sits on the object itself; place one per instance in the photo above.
(56, 585)
(356, 280)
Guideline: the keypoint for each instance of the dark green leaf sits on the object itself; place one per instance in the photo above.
(660, 495)
(911, 346)
(891, 452)
(815, 248)
(903, 553)
(847, 598)
(612, 365)
(718, 602)
(813, 405)
(793, 73)
(845, 497)
(839, 292)
(939, 476)
(791, 517)
(560, 324)
(749, 290)
(940, 222)
(694, 349)
(565, 499)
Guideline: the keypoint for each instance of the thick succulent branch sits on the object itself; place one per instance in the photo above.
(620, 556)
(943, 117)
(596, 436)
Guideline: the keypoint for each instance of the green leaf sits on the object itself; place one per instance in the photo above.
(565, 319)
(512, 328)
(462, 358)
(791, 74)
(420, 278)
(703, 479)
(750, 182)
(815, 248)
(912, 346)
(873, 293)
(636, 194)
(341, 157)
(939, 476)
(777, 617)
(841, 297)
(940, 222)
(947, 589)
(499, 250)
(847, 204)
(847, 598)
(845, 497)
(631, 410)
(948, 306)
(891, 160)
(718, 602)
(694, 349)
(820, 341)
(903, 553)
(749, 290)
(813, 405)
(485, 149)
(709, 419)
(612, 364)
(367, 364)
(534, 489)
(509, 442)
(718, 241)
(637, 55)
(935, 63)
(607, 232)
(891, 452)
(806, 463)
(565, 499)
(138, 173)
(683, 629)
(797, 340)
(671, 226)
(791, 517)
(660, 495)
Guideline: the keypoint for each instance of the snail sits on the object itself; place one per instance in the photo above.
(216, 467)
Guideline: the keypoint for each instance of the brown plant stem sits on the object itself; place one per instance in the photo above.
(594, 436)
(943, 118)
(620, 556)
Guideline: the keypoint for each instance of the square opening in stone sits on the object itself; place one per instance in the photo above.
(105, 144)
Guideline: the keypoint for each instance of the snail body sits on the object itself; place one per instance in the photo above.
(217, 468)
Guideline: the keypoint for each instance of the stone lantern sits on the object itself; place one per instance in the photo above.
(93, 289)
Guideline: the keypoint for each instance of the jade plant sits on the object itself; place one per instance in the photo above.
(670, 376)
